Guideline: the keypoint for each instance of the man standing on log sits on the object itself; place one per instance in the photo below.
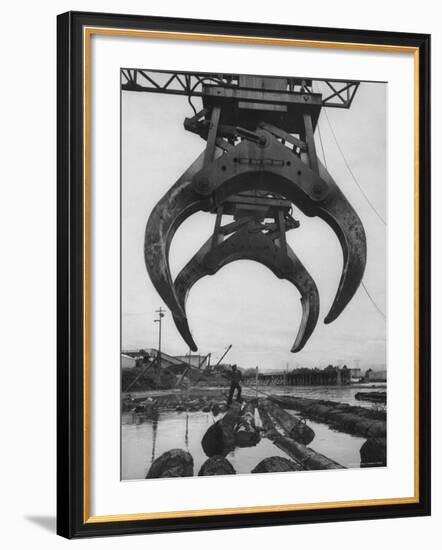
(235, 384)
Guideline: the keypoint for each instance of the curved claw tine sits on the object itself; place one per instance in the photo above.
(247, 245)
(342, 218)
(176, 205)
(191, 273)
(301, 278)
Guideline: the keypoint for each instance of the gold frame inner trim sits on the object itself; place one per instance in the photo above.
(87, 34)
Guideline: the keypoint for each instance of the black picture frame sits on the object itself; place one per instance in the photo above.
(72, 521)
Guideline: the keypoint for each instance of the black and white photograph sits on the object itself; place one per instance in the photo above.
(253, 274)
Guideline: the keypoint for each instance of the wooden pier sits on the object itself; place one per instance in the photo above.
(330, 376)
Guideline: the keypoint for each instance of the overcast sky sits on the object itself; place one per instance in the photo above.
(244, 304)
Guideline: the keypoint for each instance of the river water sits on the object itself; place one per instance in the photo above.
(144, 440)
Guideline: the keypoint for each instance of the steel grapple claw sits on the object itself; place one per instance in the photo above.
(264, 164)
(249, 243)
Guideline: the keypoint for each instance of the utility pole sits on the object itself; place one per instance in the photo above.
(161, 313)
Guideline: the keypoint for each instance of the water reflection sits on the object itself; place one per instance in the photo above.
(186, 436)
(154, 437)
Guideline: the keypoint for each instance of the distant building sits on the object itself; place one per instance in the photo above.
(376, 375)
(329, 376)
(149, 355)
(356, 374)
(168, 361)
(127, 362)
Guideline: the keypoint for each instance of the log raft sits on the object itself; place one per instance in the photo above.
(358, 421)
(189, 401)
(305, 457)
(372, 396)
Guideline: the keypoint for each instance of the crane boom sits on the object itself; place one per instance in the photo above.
(229, 347)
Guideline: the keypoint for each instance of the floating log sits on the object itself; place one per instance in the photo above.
(294, 427)
(358, 421)
(374, 452)
(173, 463)
(146, 411)
(246, 432)
(235, 429)
(220, 437)
(307, 458)
(216, 466)
(193, 405)
(276, 464)
(268, 424)
(373, 396)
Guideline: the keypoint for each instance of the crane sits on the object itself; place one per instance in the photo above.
(259, 160)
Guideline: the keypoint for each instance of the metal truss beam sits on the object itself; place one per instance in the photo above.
(335, 93)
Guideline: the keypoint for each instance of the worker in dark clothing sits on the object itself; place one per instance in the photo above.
(235, 384)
